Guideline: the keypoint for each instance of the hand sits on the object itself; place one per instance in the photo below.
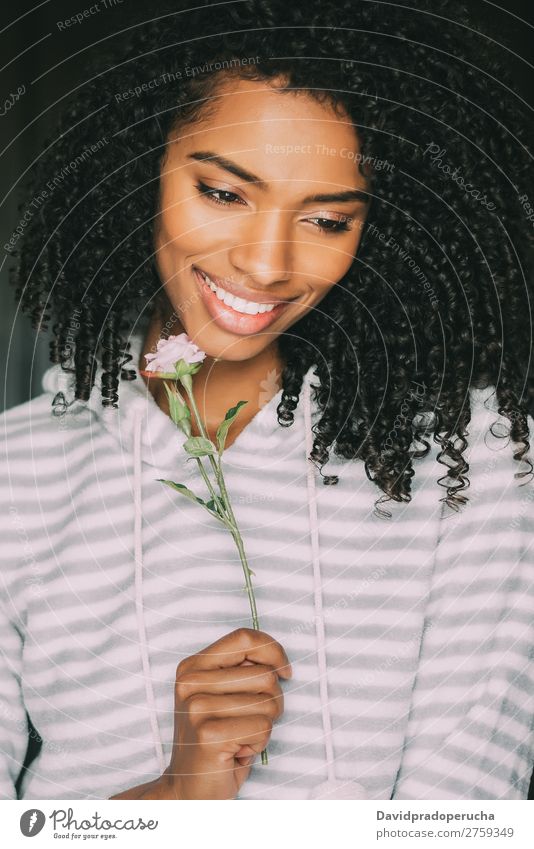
(226, 700)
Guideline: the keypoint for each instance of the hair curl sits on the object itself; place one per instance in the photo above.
(439, 293)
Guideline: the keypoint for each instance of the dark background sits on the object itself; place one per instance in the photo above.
(50, 63)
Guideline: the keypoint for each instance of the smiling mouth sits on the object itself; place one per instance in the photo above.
(237, 315)
(240, 305)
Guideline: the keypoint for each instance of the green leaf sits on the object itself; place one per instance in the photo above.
(183, 368)
(179, 410)
(197, 446)
(224, 427)
(179, 487)
(210, 505)
(216, 509)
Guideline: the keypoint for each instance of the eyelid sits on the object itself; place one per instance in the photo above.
(328, 213)
(345, 222)
(338, 228)
(208, 191)
(219, 187)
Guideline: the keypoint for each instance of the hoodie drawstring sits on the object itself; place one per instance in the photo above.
(331, 788)
(317, 588)
(141, 629)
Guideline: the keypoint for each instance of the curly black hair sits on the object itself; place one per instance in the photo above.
(438, 297)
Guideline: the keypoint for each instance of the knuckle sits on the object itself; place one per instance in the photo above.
(269, 642)
(266, 641)
(253, 637)
(274, 644)
(197, 708)
(245, 635)
(183, 687)
(180, 691)
(180, 669)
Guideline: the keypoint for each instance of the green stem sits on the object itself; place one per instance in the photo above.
(209, 484)
(248, 581)
(250, 589)
(246, 569)
(188, 386)
(187, 383)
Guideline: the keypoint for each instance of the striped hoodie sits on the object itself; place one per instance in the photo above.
(410, 638)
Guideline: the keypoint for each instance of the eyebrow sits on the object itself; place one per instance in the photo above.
(228, 165)
(248, 177)
(338, 197)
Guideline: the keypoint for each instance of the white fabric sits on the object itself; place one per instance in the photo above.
(423, 622)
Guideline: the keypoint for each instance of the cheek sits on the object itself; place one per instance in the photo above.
(186, 226)
(324, 264)
(186, 233)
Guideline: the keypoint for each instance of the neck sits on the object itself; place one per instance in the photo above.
(220, 384)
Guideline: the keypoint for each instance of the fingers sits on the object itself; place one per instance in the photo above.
(238, 646)
(227, 737)
(238, 679)
(246, 756)
(201, 706)
(226, 699)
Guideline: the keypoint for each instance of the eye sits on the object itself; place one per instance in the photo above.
(331, 225)
(220, 196)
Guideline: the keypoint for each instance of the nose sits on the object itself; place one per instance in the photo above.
(264, 251)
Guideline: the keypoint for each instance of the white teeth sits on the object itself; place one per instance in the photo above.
(238, 304)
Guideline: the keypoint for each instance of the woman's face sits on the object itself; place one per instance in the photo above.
(261, 214)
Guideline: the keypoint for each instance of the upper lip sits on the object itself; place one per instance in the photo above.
(240, 292)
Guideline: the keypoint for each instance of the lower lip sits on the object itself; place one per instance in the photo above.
(229, 319)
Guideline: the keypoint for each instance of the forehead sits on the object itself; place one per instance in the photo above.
(280, 136)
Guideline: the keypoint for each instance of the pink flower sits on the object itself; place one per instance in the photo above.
(170, 351)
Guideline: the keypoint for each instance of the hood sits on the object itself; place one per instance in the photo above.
(136, 404)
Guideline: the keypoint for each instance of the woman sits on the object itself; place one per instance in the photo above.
(333, 215)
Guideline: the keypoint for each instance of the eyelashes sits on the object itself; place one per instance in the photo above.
(212, 194)
(222, 197)
(333, 225)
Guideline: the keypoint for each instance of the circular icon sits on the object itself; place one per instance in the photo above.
(32, 822)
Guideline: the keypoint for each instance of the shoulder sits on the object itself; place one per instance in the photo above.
(491, 451)
(491, 537)
(43, 458)
(14, 422)
(44, 426)
(489, 447)
(37, 447)
(36, 431)
(499, 488)
(26, 431)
